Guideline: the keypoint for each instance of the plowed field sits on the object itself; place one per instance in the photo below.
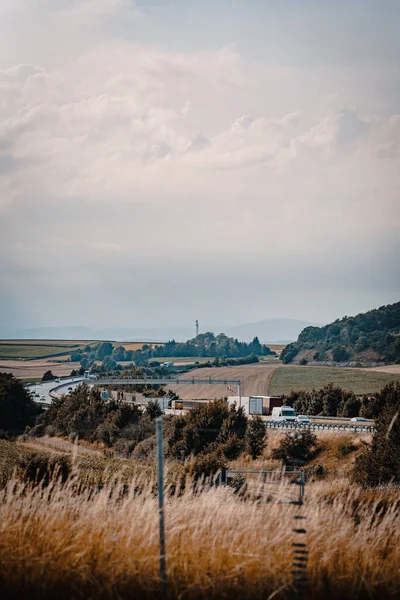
(255, 380)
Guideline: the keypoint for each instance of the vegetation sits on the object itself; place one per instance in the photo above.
(255, 440)
(67, 541)
(380, 463)
(204, 345)
(17, 409)
(360, 381)
(24, 350)
(48, 376)
(372, 335)
(296, 448)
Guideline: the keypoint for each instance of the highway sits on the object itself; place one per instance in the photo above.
(43, 389)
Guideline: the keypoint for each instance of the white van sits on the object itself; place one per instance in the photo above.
(283, 413)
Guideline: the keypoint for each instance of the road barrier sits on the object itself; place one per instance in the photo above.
(319, 427)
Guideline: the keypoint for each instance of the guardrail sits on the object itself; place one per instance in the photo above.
(320, 427)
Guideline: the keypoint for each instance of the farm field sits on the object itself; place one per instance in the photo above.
(12, 351)
(34, 369)
(386, 369)
(137, 345)
(361, 381)
(255, 380)
(183, 359)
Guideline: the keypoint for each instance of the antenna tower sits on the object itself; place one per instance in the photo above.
(197, 328)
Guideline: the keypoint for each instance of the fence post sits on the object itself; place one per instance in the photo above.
(160, 473)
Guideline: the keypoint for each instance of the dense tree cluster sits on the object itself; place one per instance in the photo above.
(216, 431)
(220, 347)
(348, 338)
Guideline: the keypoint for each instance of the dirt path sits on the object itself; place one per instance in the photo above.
(255, 380)
(386, 369)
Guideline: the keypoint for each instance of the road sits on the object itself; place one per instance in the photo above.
(44, 389)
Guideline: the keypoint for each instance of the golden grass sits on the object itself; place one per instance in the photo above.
(56, 543)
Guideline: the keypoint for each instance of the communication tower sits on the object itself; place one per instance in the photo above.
(197, 328)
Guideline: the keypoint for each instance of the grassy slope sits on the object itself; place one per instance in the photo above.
(361, 381)
(57, 544)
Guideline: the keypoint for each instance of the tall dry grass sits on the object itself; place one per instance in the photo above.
(57, 543)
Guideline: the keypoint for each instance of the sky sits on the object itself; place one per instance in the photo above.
(163, 161)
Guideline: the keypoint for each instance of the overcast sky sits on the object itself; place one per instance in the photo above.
(167, 160)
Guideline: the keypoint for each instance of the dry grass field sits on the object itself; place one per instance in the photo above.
(136, 345)
(255, 380)
(395, 369)
(58, 543)
(34, 369)
(361, 381)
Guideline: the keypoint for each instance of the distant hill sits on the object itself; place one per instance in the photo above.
(370, 336)
(271, 330)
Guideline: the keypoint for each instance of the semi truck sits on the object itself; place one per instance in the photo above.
(257, 405)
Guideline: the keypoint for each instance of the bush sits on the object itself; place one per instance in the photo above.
(380, 463)
(346, 448)
(296, 447)
(17, 409)
(256, 437)
(48, 376)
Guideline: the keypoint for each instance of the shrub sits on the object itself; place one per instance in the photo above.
(380, 462)
(296, 447)
(346, 448)
(256, 437)
(17, 409)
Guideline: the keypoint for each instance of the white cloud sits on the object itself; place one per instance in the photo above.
(203, 153)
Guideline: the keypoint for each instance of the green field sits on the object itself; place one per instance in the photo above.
(38, 350)
(286, 379)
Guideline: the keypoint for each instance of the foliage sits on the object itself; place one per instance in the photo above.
(329, 401)
(153, 409)
(17, 408)
(84, 414)
(48, 376)
(347, 338)
(210, 427)
(380, 463)
(256, 436)
(295, 446)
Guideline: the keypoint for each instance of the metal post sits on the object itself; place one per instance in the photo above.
(160, 472)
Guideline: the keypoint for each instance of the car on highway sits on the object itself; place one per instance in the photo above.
(303, 420)
(57, 381)
(358, 419)
(36, 395)
(43, 398)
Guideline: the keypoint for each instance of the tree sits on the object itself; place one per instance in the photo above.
(104, 349)
(256, 437)
(17, 409)
(48, 376)
(380, 463)
(340, 354)
(296, 446)
(153, 409)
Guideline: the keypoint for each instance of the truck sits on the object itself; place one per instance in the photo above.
(167, 365)
(283, 413)
(257, 405)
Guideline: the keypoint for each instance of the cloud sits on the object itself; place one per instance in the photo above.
(120, 152)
